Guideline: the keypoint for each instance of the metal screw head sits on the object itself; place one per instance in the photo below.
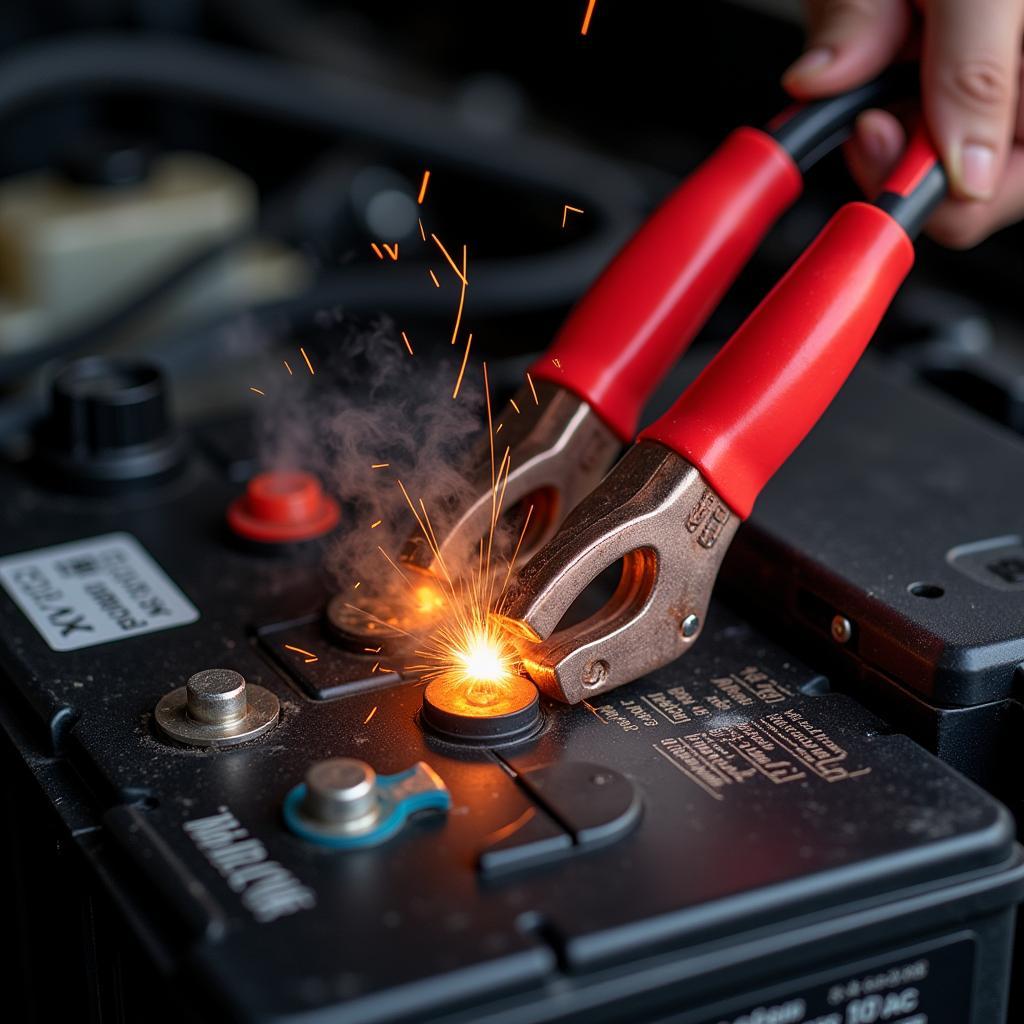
(689, 626)
(595, 674)
(842, 630)
(216, 696)
(341, 792)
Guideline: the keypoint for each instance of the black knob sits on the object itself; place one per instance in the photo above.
(109, 425)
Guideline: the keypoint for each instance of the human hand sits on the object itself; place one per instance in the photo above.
(970, 53)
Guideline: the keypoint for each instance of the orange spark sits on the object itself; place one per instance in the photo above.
(405, 338)
(512, 402)
(357, 584)
(380, 622)
(257, 390)
(373, 650)
(557, 363)
(565, 212)
(423, 233)
(462, 298)
(462, 368)
(519, 544)
(419, 522)
(380, 465)
(490, 421)
(498, 429)
(376, 248)
(391, 561)
(366, 720)
(464, 647)
(376, 665)
(373, 526)
(461, 275)
(287, 367)
(590, 707)
(392, 253)
(308, 363)
(423, 187)
(433, 277)
(309, 656)
(529, 380)
(587, 17)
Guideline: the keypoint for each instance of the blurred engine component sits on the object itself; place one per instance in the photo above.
(78, 241)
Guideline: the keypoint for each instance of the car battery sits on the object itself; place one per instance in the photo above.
(890, 546)
(216, 810)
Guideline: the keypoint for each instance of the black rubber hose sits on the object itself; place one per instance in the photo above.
(319, 100)
(818, 127)
(267, 87)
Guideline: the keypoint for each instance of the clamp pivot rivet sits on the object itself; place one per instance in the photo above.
(595, 674)
(689, 626)
(842, 630)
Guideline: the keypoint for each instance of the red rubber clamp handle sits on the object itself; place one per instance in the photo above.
(759, 397)
(646, 307)
(918, 160)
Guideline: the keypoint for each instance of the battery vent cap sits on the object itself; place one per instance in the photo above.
(283, 507)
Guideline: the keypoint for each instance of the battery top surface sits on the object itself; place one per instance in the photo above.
(713, 800)
(900, 512)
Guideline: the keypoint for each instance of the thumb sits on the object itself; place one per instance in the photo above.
(970, 68)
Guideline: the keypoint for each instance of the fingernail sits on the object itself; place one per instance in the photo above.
(978, 170)
(813, 61)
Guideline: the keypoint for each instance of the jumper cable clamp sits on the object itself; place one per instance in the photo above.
(671, 506)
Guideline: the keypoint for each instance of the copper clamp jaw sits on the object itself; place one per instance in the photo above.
(558, 450)
(660, 516)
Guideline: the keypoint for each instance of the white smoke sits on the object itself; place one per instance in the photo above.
(370, 402)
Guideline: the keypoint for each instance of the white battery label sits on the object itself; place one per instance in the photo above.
(94, 591)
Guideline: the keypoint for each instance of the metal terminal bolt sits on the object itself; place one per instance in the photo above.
(842, 630)
(216, 708)
(689, 626)
(341, 793)
(216, 696)
(341, 798)
(345, 805)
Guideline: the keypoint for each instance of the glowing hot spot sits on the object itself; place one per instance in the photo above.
(471, 667)
(483, 660)
(428, 600)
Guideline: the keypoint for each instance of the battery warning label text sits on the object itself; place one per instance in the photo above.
(781, 747)
(94, 591)
(931, 988)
